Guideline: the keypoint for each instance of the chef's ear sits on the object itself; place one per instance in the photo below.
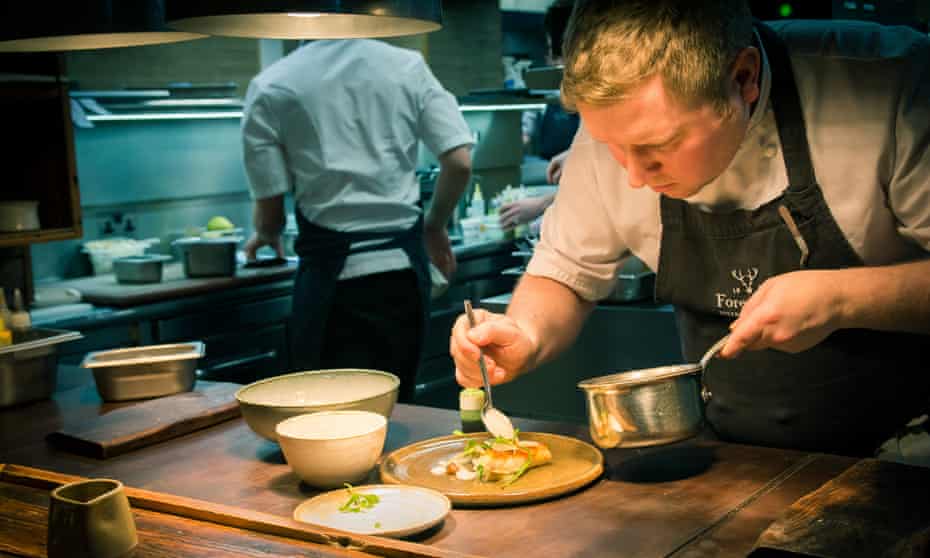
(745, 72)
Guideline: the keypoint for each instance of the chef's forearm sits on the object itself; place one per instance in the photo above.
(454, 173)
(550, 313)
(887, 298)
(268, 217)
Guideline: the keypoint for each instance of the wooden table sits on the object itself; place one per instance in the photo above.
(693, 499)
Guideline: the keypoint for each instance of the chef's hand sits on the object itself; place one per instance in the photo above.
(256, 242)
(521, 211)
(439, 249)
(790, 312)
(507, 348)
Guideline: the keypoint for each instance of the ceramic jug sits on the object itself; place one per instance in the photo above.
(90, 519)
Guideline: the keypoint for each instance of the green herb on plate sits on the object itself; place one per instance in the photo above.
(518, 473)
(357, 501)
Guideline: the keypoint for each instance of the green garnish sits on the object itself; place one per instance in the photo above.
(518, 473)
(357, 501)
(458, 433)
(479, 468)
(473, 447)
(377, 524)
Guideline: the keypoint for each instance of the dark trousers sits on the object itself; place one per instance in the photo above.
(376, 323)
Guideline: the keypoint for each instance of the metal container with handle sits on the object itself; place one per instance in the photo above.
(648, 407)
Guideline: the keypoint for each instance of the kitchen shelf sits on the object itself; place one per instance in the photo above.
(39, 161)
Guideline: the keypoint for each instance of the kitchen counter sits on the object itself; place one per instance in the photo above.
(115, 303)
(105, 290)
(691, 499)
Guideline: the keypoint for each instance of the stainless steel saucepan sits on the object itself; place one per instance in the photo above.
(648, 407)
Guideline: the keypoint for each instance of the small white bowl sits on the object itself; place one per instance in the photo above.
(329, 448)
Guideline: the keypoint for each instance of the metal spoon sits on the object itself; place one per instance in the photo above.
(495, 421)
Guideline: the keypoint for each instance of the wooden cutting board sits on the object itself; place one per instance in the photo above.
(874, 508)
(150, 421)
(106, 291)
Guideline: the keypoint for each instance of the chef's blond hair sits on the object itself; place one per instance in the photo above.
(612, 46)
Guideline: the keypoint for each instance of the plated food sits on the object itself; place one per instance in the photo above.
(376, 509)
(572, 465)
(495, 459)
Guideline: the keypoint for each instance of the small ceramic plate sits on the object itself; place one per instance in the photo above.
(400, 512)
(574, 464)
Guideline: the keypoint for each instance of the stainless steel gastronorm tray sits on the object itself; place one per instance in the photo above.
(147, 371)
(29, 366)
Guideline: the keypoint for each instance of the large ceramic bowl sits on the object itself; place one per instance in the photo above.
(267, 402)
(330, 448)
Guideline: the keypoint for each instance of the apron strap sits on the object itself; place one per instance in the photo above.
(788, 112)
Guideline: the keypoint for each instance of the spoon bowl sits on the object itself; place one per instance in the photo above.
(496, 422)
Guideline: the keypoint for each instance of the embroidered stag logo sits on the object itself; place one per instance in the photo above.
(746, 278)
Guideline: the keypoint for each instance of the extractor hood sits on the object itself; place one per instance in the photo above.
(307, 19)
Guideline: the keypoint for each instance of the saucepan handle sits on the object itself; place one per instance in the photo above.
(706, 395)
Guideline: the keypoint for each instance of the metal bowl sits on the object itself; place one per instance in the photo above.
(267, 402)
(646, 407)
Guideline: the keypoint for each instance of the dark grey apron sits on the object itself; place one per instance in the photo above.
(323, 254)
(847, 394)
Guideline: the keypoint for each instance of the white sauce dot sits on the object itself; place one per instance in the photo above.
(465, 474)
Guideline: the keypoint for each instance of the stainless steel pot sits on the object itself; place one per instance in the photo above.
(649, 407)
(645, 407)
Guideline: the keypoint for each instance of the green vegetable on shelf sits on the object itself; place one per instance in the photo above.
(358, 502)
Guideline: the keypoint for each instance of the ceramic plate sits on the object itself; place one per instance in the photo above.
(574, 465)
(401, 510)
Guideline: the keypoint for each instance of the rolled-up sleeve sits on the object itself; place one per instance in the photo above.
(441, 126)
(262, 150)
(909, 191)
(579, 244)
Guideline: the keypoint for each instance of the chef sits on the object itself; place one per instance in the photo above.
(338, 124)
(777, 179)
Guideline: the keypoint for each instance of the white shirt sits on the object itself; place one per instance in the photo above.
(338, 123)
(865, 92)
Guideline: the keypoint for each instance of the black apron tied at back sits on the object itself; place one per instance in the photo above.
(323, 254)
(845, 395)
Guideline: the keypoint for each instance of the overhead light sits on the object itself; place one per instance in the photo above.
(307, 19)
(30, 26)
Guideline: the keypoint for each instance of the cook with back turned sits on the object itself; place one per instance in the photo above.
(338, 124)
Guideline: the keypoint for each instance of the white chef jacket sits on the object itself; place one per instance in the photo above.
(865, 93)
(338, 123)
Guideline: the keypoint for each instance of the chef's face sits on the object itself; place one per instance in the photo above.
(672, 147)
